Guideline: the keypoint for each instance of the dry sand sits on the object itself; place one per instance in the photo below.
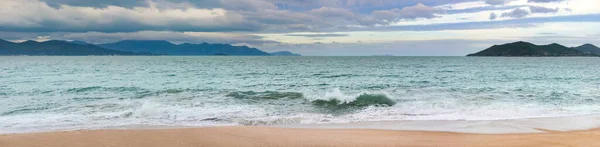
(269, 136)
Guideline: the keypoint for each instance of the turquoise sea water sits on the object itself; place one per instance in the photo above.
(65, 93)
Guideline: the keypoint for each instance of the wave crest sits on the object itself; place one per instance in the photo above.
(364, 100)
(100, 88)
(271, 95)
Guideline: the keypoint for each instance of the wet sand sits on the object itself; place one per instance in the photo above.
(290, 137)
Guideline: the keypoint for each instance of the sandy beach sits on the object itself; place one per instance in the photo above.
(272, 136)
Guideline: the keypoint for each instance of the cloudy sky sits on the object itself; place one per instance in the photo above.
(310, 27)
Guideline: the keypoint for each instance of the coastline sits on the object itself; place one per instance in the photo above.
(502, 126)
(560, 131)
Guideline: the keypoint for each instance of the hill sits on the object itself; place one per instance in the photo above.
(186, 49)
(284, 53)
(56, 48)
(588, 48)
(528, 49)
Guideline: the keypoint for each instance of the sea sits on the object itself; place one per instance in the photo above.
(40, 94)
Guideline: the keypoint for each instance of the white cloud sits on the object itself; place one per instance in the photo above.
(496, 2)
(559, 28)
(408, 13)
(464, 5)
(544, 1)
(517, 13)
(538, 9)
(175, 37)
(33, 15)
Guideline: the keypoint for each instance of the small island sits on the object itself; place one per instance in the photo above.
(526, 49)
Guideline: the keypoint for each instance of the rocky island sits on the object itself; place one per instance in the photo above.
(526, 49)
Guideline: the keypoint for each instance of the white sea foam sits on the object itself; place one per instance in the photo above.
(533, 125)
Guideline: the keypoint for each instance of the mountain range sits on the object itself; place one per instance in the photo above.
(126, 47)
(589, 48)
(528, 49)
(166, 48)
(57, 48)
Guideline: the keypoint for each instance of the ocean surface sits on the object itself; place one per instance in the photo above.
(69, 93)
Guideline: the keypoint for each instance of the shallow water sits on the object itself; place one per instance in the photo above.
(64, 93)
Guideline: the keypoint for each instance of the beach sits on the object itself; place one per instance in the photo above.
(299, 73)
(290, 137)
(556, 131)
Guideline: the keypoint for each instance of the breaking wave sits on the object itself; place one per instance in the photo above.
(364, 100)
(269, 95)
(333, 101)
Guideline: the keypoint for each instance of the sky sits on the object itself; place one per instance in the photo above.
(310, 27)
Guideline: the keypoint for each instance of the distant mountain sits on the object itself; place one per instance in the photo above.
(186, 49)
(528, 49)
(284, 53)
(588, 48)
(56, 48)
(151, 46)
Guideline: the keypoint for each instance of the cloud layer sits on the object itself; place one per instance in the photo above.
(256, 22)
(236, 15)
(113, 16)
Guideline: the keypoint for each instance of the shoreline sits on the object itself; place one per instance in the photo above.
(276, 136)
(559, 131)
(507, 126)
